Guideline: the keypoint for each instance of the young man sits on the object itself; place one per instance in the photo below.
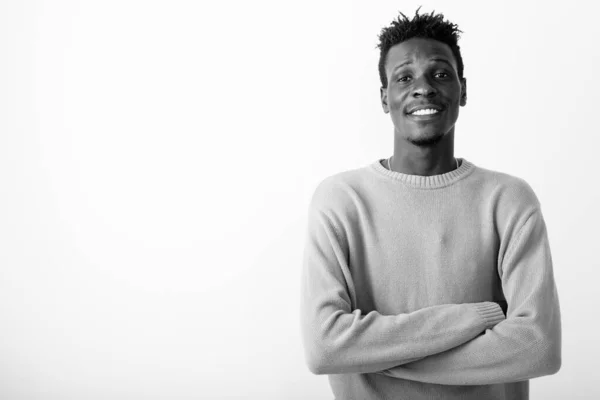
(426, 276)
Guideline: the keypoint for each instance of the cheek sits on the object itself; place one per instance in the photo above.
(395, 100)
(453, 113)
(396, 106)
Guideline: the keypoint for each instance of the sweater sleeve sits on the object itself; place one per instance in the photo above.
(527, 344)
(339, 339)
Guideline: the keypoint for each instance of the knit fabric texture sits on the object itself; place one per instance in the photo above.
(401, 279)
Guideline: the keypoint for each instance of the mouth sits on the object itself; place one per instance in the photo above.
(429, 111)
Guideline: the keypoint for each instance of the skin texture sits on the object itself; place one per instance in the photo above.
(423, 145)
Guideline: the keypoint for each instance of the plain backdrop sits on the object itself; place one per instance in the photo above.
(157, 159)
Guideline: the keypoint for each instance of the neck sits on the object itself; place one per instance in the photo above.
(412, 159)
(423, 167)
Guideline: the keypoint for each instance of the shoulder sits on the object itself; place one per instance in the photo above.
(511, 202)
(335, 192)
(509, 191)
(344, 194)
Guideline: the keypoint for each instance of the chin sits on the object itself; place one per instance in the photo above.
(425, 137)
(426, 132)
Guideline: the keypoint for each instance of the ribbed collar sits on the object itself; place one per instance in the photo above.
(426, 182)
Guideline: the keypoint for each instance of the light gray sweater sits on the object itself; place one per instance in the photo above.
(400, 282)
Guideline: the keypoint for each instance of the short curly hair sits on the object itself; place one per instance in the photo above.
(428, 26)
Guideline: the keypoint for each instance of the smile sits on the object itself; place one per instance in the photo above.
(425, 111)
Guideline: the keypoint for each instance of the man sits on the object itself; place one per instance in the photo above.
(425, 276)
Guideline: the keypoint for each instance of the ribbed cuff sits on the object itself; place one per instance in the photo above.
(490, 312)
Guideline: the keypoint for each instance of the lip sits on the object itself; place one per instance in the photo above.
(423, 107)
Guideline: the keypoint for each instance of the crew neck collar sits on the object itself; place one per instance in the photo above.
(425, 182)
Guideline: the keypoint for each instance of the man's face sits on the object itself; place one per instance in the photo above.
(422, 75)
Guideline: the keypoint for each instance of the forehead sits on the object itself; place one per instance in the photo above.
(418, 50)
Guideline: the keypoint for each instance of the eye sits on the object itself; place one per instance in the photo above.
(403, 79)
(445, 75)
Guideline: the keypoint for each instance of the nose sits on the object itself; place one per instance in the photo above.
(423, 87)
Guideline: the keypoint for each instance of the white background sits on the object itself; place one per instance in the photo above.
(157, 159)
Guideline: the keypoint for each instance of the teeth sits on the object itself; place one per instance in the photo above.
(426, 111)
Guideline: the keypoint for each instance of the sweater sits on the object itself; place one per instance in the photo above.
(402, 281)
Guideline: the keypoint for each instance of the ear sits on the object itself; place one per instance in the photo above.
(463, 92)
(384, 102)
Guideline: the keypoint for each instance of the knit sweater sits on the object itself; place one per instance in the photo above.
(402, 278)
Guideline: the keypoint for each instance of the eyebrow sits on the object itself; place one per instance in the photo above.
(439, 59)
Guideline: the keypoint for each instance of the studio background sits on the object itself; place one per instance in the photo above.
(157, 159)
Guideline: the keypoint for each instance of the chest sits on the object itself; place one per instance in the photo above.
(414, 263)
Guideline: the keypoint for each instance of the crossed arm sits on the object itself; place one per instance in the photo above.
(457, 344)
